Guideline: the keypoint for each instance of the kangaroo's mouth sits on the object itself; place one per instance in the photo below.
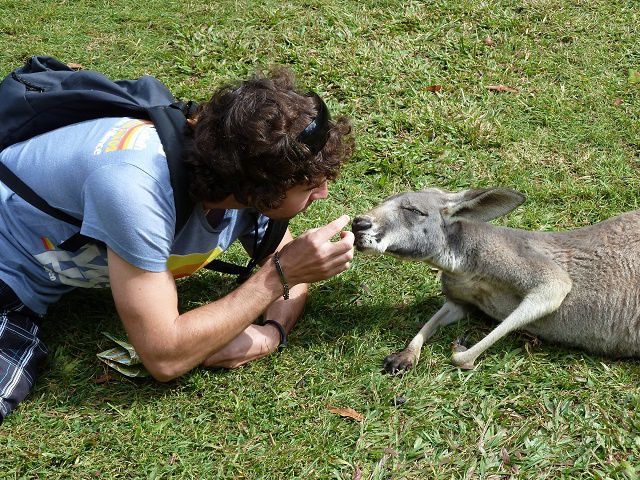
(369, 235)
(368, 242)
(401, 252)
(362, 241)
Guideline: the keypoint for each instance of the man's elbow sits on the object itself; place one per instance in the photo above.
(163, 356)
(164, 369)
(165, 375)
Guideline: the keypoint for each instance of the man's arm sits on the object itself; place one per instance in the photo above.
(171, 344)
(256, 341)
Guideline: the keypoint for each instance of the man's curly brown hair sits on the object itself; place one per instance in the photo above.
(245, 142)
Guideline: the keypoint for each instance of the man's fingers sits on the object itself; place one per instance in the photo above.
(347, 236)
(330, 229)
(338, 265)
(345, 244)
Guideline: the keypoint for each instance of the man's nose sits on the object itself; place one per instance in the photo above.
(361, 223)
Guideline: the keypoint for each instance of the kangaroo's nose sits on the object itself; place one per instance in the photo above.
(360, 223)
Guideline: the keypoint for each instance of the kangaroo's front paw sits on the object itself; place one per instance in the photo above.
(460, 358)
(400, 362)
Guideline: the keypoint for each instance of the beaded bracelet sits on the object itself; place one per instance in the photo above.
(283, 279)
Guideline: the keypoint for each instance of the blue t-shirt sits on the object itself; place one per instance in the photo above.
(112, 173)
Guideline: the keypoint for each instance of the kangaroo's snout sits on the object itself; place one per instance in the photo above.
(361, 223)
(366, 237)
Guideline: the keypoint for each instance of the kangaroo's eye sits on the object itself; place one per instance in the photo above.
(415, 211)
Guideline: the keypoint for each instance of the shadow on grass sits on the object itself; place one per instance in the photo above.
(338, 310)
(73, 376)
(335, 308)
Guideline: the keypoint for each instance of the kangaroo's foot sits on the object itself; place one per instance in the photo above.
(459, 358)
(398, 363)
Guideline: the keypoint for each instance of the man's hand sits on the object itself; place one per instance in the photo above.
(313, 256)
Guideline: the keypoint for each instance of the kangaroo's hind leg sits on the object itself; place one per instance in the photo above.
(408, 358)
(540, 301)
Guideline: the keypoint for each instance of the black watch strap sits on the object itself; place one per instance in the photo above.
(283, 333)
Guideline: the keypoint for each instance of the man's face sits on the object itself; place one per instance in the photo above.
(297, 199)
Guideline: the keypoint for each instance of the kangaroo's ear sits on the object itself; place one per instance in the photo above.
(484, 204)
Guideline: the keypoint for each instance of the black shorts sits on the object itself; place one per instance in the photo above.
(21, 350)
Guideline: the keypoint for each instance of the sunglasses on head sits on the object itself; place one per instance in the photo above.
(316, 134)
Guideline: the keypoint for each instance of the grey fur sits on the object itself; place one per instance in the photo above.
(579, 288)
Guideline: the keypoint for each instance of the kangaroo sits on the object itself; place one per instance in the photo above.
(579, 288)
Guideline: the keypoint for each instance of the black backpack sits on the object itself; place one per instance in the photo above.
(46, 94)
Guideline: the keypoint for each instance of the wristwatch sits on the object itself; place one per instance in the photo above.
(283, 334)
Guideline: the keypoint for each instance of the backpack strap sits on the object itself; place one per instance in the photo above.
(270, 240)
(20, 188)
(11, 180)
(170, 123)
(76, 241)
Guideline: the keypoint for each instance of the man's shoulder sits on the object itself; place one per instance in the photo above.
(123, 135)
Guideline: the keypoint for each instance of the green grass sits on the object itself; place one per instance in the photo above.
(569, 139)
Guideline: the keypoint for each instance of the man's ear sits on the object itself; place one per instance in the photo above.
(484, 204)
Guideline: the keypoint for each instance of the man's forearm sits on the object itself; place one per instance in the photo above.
(287, 312)
(245, 302)
(256, 341)
(207, 329)
(170, 344)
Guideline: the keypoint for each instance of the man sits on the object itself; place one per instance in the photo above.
(257, 150)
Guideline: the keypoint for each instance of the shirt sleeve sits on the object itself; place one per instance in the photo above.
(130, 212)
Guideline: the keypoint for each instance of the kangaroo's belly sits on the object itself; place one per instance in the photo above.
(495, 301)
(610, 327)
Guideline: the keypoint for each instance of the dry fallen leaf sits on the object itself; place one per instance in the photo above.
(501, 88)
(505, 456)
(488, 41)
(104, 378)
(617, 102)
(357, 474)
(433, 88)
(75, 66)
(347, 412)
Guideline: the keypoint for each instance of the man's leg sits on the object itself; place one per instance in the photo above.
(21, 352)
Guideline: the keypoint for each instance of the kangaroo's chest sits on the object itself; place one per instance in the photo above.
(496, 300)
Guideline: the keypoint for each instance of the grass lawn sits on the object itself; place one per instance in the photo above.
(567, 135)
